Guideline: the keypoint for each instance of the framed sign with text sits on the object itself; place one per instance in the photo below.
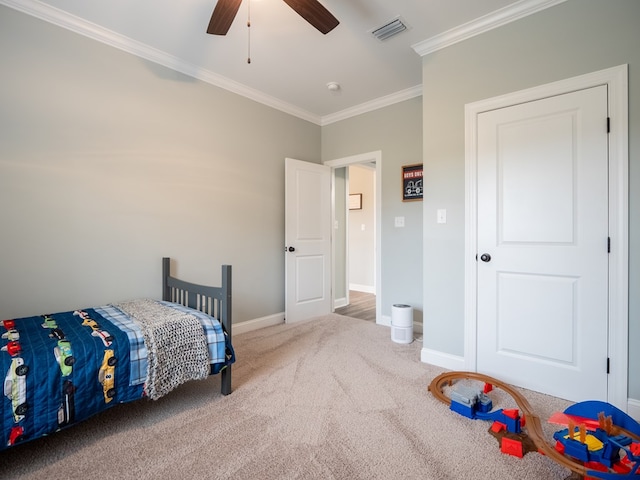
(412, 182)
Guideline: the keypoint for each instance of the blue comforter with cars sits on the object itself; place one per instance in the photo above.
(60, 369)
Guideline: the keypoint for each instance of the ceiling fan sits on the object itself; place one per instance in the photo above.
(311, 10)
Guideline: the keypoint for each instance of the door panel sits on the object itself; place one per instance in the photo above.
(310, 278)
(550, 309)
(307, 240)
(543, 219)
(527, 168)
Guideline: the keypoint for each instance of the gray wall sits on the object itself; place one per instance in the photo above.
(570, 39)
(109, 162)
(397, 132)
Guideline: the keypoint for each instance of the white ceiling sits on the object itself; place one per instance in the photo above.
(291, 62)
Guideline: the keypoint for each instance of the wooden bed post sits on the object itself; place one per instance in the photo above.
(225, 316)
(166, 271)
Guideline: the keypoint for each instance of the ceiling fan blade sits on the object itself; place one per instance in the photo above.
(222, 17)
(314, 13)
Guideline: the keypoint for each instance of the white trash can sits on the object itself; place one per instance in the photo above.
(402, 323)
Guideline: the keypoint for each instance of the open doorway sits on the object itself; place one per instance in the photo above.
(356, 237)
(360, 242)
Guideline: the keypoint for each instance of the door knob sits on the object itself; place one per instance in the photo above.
(291, 249)
(485, 257)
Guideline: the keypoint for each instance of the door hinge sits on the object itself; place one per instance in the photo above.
(608, 124)
(608, 365)
(608, 244)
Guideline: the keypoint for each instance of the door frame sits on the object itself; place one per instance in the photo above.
(376, 157)
(616, 80)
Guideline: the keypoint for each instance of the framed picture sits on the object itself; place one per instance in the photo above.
(355, 201)
(412, 182)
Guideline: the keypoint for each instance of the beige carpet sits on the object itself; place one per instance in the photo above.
(332, 398)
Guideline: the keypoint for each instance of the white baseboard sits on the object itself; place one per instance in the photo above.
(633, 409)
(255, 324)
(340, 302)
(441, 359)
(362, 288)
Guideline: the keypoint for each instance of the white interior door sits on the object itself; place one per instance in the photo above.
(542, 216)
(307, 240)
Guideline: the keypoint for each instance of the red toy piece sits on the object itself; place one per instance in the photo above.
(511, 447)
(498, 427)
(513, 413)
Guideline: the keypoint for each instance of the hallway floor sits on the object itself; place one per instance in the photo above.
(361, 305)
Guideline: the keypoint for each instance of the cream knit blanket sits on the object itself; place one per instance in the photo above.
(177, 348)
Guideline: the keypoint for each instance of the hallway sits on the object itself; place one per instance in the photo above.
(362, 305)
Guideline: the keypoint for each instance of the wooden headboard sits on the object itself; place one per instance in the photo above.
(214, 301)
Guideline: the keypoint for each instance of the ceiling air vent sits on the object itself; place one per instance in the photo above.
(390, 29)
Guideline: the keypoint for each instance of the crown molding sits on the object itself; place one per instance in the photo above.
(483, 24)
(91, 30)
(373, 105)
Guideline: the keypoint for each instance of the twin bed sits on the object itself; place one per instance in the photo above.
(60, 369)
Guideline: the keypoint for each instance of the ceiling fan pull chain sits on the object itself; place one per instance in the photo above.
(249, 31)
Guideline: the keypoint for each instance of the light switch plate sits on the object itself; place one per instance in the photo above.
(442, 215)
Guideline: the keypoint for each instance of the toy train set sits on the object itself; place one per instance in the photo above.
(599, 441)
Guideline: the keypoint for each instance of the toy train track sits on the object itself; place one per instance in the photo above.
(533, 423)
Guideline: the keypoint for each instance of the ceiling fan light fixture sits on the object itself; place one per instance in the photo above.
(389, 29)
